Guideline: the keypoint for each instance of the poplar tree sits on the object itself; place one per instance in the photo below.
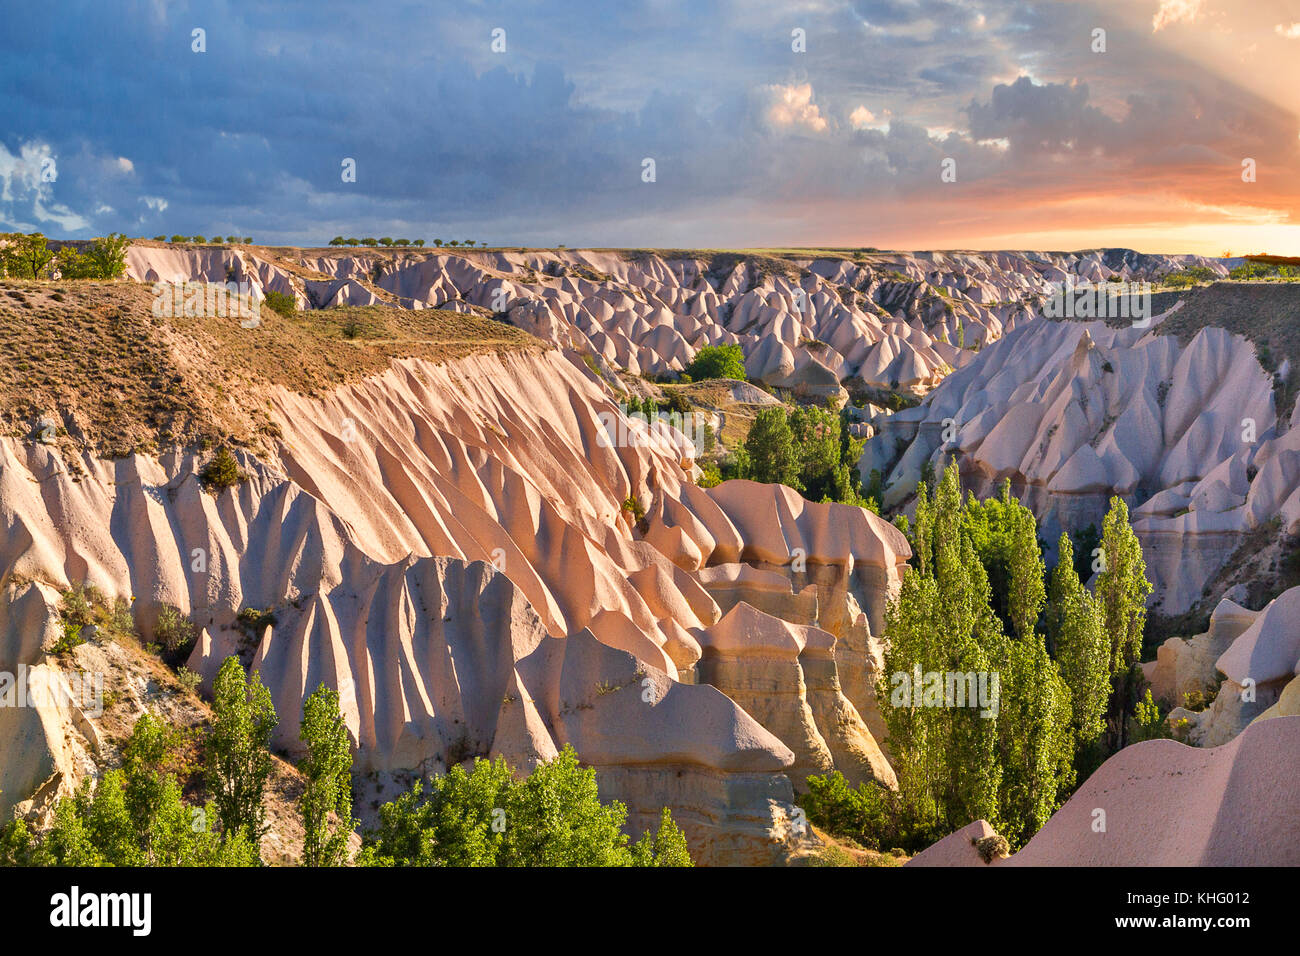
(238, 754)
(1079, 643)
(327, 773)
(1122, 590)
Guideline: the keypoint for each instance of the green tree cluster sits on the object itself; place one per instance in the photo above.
(485, 817)
(717, 361)
(806, 448)
(976, 600)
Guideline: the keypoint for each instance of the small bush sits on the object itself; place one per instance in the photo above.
(173, 631)
(221, 472)
(281, 304)
(992, 847)
(68, 639)
(189, 679)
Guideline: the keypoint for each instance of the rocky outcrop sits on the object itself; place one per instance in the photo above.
(1072, 413)
(1160, 803)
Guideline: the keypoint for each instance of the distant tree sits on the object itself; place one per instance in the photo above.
(417, 242)
(770, 447)
(247, 241)
(198, 240)
(337, 241)
(327, 774)
(401, 242)
(159, 238)
(106, 257)
(454, 242)
(369, 241)
(179, 239)
(386, 241)
(28, 256)
(238, 748)
(352, 242)
(217, 240)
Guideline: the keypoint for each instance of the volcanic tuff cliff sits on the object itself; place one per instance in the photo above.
(447, 543)
(437, 521)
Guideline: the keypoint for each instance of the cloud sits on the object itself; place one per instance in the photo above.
(862, 118)
(1291, 32)
(793, 106)
(1176, 11)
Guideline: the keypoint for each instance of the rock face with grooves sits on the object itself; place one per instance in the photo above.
(446, 545)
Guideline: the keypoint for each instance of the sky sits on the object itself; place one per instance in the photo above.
(1159, 125)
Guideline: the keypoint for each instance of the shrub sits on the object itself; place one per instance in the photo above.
(189, 679)
(69, 637)
(281, 304)
(221, 472)
(173, 632)
(485, 817)
(717, 361)
(992, 847)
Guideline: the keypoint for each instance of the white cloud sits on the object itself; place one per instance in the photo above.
(1291, 32)
(1176, 11)
(124, 165)
(793, 106)
(155, 203)
(862, 118)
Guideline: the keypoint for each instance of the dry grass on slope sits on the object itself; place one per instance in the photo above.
(92, 361)
(1266, 313)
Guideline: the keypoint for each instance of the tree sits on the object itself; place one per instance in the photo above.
(770, 446)
(437, 242)
(337, 241)
(179, 239)
(217, 240)
(134, 817)
(159, 238)
(418, 242)
(1122, 590)
(368, 241)
(485, 817)
(1005, 536)
(401, 242)
(717, 361)
(386, 241)
(1077, 637)
(106, 257)
(352, 242)
(1008, 760)
(238, 755)
(666, 848)
(199, 240)
(816, 436)
(27, 256)
(327, 772)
